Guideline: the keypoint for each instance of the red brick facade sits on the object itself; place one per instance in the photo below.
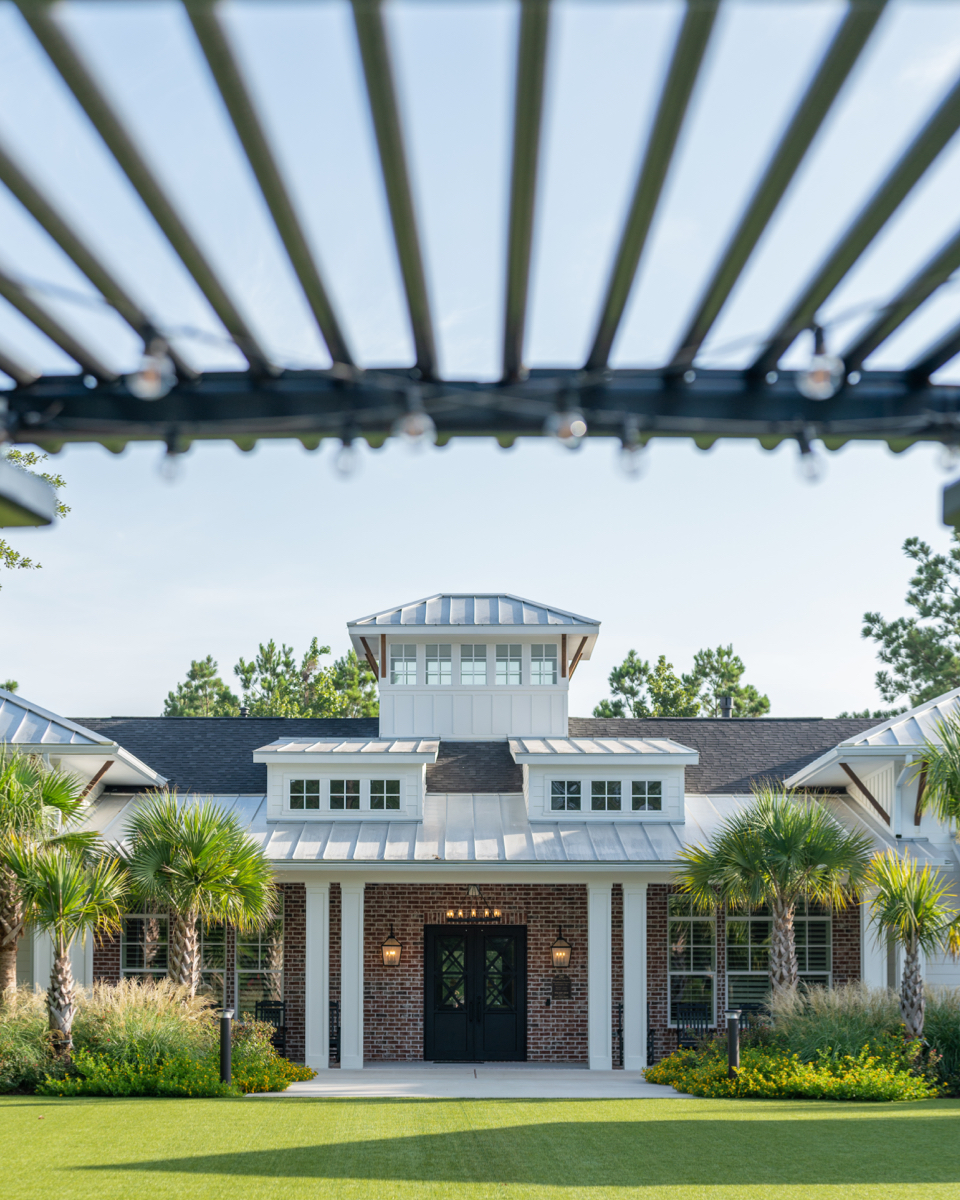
(106, 959)
(294, 965)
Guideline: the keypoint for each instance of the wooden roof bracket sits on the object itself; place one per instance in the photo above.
(370, 659)
(921, 787)
(866, 791)
(563, 656)
(96, 779)
(576, 657)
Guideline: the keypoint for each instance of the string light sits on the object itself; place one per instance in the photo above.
(415, 428)
(812, 465)
(632, 456)
(157, 374)
(568, 426)
(346, 461)
(824, 376)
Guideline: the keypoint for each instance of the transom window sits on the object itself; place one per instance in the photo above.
(344, 793)
(565, 795)
(439, 665)
(403, 664)
(473, 665)
(605, 795)
(260, 964)
(305, 793)
(144, 945)
(749, 937)
(647, 795)
(692, 957)
(385, 793)
(543, 663)
(508, 664)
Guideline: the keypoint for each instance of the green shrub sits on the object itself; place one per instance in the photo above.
(102, 1075)
(149, 1020)
(772, 1073)
(941, 1028)
(26, 1054)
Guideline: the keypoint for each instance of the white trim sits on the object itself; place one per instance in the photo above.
(317, 977)
(599, 977)
(351, 975)
(634, 976)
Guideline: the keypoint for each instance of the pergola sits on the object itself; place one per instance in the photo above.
(838, 399)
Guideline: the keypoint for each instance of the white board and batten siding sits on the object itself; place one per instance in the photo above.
(465, 714)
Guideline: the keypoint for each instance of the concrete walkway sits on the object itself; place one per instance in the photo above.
(496, 1081)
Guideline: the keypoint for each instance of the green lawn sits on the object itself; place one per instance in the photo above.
(266, 1149)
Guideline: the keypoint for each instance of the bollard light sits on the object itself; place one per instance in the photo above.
(733, 1041)
(226, 1021)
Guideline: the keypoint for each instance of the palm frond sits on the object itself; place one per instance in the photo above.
(940, 765)
(911, 903)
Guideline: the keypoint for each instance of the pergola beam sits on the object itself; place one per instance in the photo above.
(381, 91)
(70, 242)
(920, 288)
(843, 52)
(682, 76)
(18, 296)
(233, 90)
(528, 112)
(938, 355)
(20, 374)
(107, 123)
(913, 163)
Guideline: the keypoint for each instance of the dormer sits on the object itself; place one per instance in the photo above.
(473, 666)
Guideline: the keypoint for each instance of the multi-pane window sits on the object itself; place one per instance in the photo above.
(144, 945)
(543, 663)
(473, 664)
(647, 795)
(344, 793)
(692, 957)
(749, 937)
(508, 664)
(403, 664)
(260, 964)
(439, 665)
(305, 793)
(213, 959)
(385, 793)
(565, 795)
(605, 795)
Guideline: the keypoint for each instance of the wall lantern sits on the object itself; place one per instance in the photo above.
(391, 950)
(561, 951)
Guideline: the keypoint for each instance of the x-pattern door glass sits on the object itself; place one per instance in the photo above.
(500, 974)
(451, 982)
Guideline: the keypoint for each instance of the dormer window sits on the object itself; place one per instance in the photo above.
(305, 793)
(385, 793)
(439, 665)
(605, 795)
(543, 663)
(647, 795)
(344, 793)
(565, 795)
(473, 665)
(403, 664)
(509, 664)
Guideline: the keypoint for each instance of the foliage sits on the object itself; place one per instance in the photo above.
(151, 1019)
(941, 1030)
(940, 763)
(198, 862)
(10, 685)
(718, 673)
(356, 684)
(275, 686)
(780, 849)
(767, 1072)
(641, 691)
(922, 651)
(202, 694)
(26, 1053)
(28, 461)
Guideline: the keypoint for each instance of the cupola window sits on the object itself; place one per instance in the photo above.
(403, 664)
(473, 665)
(509, 665)
(439, 665)
(543, 663)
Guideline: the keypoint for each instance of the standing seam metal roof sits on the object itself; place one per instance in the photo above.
(473, 609)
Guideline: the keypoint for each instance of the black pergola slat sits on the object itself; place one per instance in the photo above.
(20, 374)
(14, 293)
(920, 288)
(122, 146)
(229, 80)
(937, 356)
(381, 91)
(54, 223)
(835, 67)
(907, 172)
(682, 75)
(528, 112)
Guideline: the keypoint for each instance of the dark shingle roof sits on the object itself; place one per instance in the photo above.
(215, 754)
(735, 753)
(474, 767)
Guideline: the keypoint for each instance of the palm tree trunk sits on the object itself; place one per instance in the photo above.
(11, 929)
(61, 999)
(184, 968)
(911, 991)
(783, 950)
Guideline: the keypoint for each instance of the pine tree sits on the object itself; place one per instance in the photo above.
(641, 691)
(202, 694)
(357, 685)
(718, 673)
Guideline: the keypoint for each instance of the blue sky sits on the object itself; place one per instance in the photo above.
(706, 548)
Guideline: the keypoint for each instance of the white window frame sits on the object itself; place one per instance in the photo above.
(547, 656)
(607, 784)
(690, 917)
(801, 920)
(143, 972)
(566, 784)
(366, 779)
(512, 660)
(305, 780)
(645, 784)
(474, 658)
(404, 655)
(387, 795)
(442, 657)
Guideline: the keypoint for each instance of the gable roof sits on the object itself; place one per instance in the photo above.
(913, 727)
(467, 608)
(734, 754)
(23, 723)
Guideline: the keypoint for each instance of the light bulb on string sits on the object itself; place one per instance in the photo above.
(170, 467)
(812, 465)
(346, 461)
(157, 374)
(949, 457)
(415, 428)
(632, 455)
(824, 376)
(568, 426)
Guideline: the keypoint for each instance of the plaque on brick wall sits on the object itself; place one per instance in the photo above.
(560, 987)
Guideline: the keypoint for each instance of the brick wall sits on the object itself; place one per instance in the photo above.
(616, 958)
(294, 965)
(106, 959)
(335, 949)
(393, 996)
(846, 945)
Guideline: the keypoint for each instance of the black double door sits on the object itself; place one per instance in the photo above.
(475, 993)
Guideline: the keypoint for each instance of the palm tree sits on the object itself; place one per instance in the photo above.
(939, 768)
(908, 907)
(781, 849)
(68, 894)
(197, 862)
(37, 804)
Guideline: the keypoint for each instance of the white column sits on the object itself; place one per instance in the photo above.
(873, 950)
(599, 977)
(634, 976)
(351, 976)
(316, 1016)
